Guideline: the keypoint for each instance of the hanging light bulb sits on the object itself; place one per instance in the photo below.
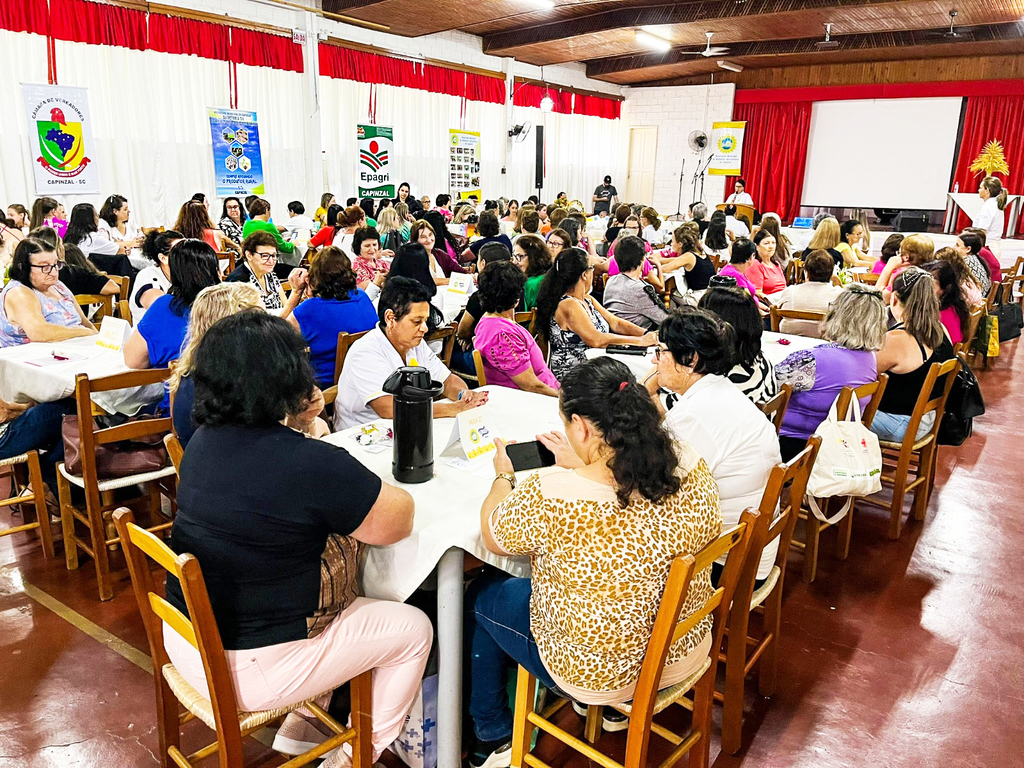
(547, 103)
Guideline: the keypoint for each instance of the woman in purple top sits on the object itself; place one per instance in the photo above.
(855, 329)
(510, 355)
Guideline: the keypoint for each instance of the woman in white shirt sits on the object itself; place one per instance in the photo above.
(652, 231)
(114, 224)
(155, 280)
(106, 254)
(991, 216)
(706, 410)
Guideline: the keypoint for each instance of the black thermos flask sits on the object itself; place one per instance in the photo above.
(414, 392)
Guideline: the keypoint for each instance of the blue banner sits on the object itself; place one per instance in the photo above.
(237, 164)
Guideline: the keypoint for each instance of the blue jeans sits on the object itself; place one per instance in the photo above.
(893, 426)
(38, 429)
(498, 623)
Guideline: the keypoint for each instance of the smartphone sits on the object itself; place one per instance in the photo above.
(531, 455)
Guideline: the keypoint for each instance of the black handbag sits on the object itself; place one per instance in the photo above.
(963, 405)
(1010, 316)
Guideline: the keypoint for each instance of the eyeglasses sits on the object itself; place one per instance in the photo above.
(266, 258)
(49, 269)
(658, 352)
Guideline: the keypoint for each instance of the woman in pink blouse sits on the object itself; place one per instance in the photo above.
(511, 357)
(766, 273)
(368, 267)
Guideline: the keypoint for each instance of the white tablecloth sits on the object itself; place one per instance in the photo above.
(773, 351)
(447, 506)
(21, 381)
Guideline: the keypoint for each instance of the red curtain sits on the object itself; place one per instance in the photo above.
(530, 95)
(483, 88)
(595, 106)
(25, 16)
(991, 118)
(83, 22)
(171, 34)
(258, 49)
(774, 154)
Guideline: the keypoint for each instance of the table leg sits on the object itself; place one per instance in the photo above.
(450, 584)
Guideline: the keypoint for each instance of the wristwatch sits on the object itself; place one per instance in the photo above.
(506, 476)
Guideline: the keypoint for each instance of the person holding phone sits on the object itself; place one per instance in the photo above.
(622, 503)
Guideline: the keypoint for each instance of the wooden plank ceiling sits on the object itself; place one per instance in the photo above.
(757, 33)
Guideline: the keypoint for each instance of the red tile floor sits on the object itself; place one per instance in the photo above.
(908, 654)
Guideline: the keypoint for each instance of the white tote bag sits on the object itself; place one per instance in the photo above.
(849, 462)
(416, 745)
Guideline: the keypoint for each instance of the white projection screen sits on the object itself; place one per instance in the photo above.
(881, 153)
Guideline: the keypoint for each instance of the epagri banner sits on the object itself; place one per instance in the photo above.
(60, 130)
(727, 144)
(237, 161)
(376, 145)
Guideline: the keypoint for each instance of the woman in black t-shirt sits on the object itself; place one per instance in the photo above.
(278, 537)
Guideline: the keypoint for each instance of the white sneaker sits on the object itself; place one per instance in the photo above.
(612, 720)
(297, 735)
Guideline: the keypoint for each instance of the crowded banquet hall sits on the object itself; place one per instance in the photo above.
(544, 383)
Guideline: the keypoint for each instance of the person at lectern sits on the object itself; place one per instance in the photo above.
(740, 196)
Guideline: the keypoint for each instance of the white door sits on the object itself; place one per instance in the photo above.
(643, 148)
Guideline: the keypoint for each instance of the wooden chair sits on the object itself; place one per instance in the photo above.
(174, 450)
(868, 278)
(99, 493)
(527, 319)
(345, 340)
(481, 374)
(446, 334)
(26, 502)
(220, 711)
(775, 409)
(648, 700)
(812, 525)
(913, 455)
(123, 284)
(743, 652)
(104, 304)
(974, 320)
(777, 315)
(795, 272)
(1009, 285)
(228, 256)
(124, 311)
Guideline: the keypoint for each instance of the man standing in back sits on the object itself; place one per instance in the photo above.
(605, 196)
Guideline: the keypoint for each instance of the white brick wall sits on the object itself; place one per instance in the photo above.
(676, 111)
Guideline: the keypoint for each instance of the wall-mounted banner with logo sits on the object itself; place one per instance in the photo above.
(376, 146)
(464, 163)
(237, 162)
(727, 144)
(60, 135)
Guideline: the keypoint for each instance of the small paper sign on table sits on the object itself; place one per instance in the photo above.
(113, 334)
(458, 288)
(474, 431)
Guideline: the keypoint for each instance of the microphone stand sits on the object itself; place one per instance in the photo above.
(679, 200)
(700, 174)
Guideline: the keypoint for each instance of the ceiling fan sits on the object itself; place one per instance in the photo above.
(828, 43)
(718, 50)
(953, 33)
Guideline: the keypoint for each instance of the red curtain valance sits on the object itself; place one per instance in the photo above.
(259, 49)
(79, 21)
(991, 118)
(530, 95)
(363, 67)
(595, 106)
(25, 16)
(172, 34)
(774, 154)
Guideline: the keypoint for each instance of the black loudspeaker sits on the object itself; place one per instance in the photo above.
(539, 169)
(911, 221)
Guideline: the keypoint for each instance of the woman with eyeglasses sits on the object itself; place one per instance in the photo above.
(571, 321)
(855, 330)
(260, 253)
(35, 305)
(232, 219)
(911, 346)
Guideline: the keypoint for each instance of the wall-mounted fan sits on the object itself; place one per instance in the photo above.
(698, 141)
(718, 50)
(519, 132)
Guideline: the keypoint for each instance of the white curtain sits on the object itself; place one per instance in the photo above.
(22, 60)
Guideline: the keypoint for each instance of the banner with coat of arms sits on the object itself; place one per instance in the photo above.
(60, 129)
(727, 144)
(237, 161)
(376, 145)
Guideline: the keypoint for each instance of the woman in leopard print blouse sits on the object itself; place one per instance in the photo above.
(601, 529)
